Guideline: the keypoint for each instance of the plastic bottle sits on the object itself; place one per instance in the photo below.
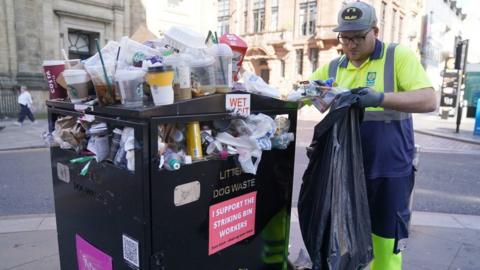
(207, 139)
(172, 161)
(182, 88)
(283, 140)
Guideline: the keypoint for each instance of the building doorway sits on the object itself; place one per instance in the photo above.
(81, 44)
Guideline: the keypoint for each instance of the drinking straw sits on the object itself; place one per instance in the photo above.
(116, 62)
(221, 62)
(208, 36)
(109, 85)
(67, 62)
(116, 59)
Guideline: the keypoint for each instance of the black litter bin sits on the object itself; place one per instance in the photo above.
(206, 215)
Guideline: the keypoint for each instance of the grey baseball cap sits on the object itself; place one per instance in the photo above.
(356, 16)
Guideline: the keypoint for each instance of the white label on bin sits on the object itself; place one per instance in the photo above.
(81, 107)
(88, 118)
(130, 250)
(186, 193)
(63, 172)
(238, 104)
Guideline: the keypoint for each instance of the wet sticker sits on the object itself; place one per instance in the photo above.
(237, 104)
(63, 172)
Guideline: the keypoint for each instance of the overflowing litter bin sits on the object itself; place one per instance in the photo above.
(141, 210)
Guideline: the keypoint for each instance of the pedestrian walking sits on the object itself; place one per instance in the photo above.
(26, 104)
(392, 84)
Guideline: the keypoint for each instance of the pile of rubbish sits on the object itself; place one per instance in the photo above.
(178, 144)
(181, 143)
(95, 140)
(181, 65)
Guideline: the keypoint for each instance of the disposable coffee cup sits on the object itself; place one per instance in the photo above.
(130, 84)
(223, 67)
(78, 84)
(52, 69)
(203, 76)
(160, 79)
(105, 90)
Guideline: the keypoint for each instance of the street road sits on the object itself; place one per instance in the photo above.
(25, 182)
(447, 182)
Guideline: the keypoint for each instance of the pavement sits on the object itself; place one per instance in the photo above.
(438, 241)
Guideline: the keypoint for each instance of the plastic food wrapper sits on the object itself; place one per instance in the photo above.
(333, 206)
(69, 133)
(255, 84)
(125, 156)
(133, 53)
(318, 93)
(99, 145)
(181, 38)
(109, 54)
(252, 135)
(281, 141)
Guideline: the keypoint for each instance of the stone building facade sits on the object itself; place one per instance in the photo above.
(442, 26)
(289, 39)
(34, 30)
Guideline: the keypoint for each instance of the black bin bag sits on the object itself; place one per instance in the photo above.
(333, 207)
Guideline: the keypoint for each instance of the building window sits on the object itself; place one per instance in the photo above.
(307, 17)
(223, 16)
(383, 11)
(274, 16)
(313, 58)
(299, 61)
(282, 68)
(81, 44)
(258, 16)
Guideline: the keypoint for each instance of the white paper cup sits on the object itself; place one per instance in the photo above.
(78, 84)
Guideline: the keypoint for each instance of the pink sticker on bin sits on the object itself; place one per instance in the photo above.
(231, 221)
(90, 258)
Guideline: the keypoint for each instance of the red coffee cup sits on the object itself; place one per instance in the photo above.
(53, 68)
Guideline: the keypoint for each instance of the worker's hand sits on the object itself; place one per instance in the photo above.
(368, 97)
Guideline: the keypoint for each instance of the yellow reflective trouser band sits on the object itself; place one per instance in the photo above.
(384, 258)
(273, 253)
(274, 235)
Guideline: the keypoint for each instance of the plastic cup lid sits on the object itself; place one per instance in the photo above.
(160, 68)
(53, 62)
(75, 76)
(176, 59)
(186, 37)
(220, 50)
(129, 75)
(74, 72)
(202, 61)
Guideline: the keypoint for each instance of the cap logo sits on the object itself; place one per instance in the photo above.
(351, 14)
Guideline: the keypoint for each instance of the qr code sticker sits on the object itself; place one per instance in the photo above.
(130, 250)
